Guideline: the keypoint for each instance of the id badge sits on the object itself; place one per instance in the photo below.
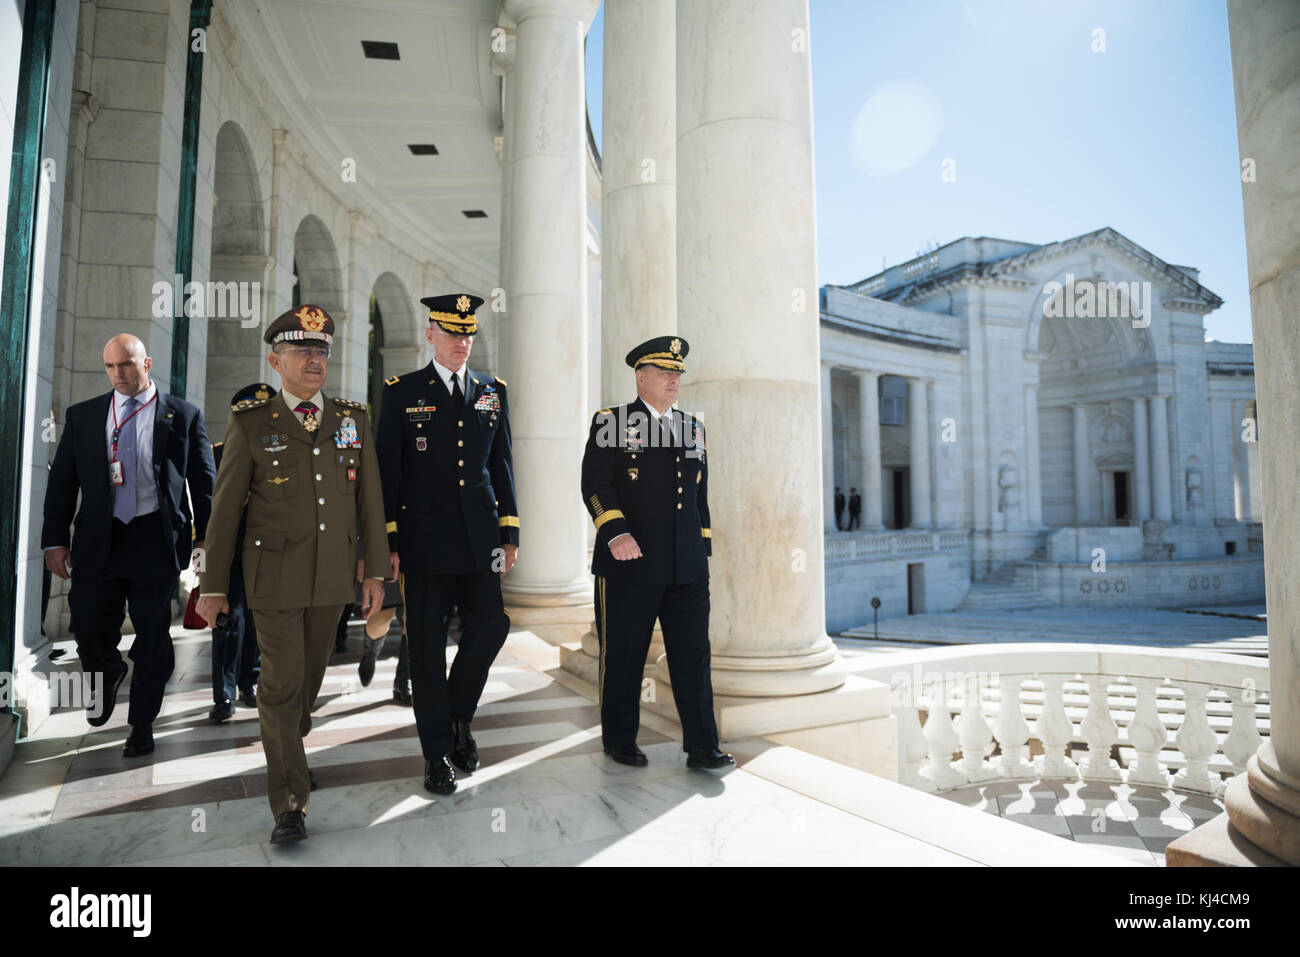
(115, 476)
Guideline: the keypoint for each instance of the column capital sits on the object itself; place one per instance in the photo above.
(867, 373)
(521, 10)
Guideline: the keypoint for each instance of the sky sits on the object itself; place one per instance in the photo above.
(1048, 137)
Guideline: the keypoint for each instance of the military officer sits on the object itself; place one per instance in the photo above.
(453, 528)
(645, 481)
(305, 463)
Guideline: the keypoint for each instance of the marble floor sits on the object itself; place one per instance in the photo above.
(545, 795)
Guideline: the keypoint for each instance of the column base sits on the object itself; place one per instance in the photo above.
(850, 724)
(773, 676)
(558, 622)
(1217, 843)
(1264, 810)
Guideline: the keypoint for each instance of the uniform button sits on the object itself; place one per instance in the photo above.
(315, 451)
(462, 481)
(257, 542)
(460, 424)
(403, 508)
(679, 458)
(352, 461)
(679, 505)
(321, 501)
(679, 475)
(460, 463)
(419, 425)
(679, 492)
(322, 524)
(275, 461)
(460, 441)
(633, 455)
(318, 478)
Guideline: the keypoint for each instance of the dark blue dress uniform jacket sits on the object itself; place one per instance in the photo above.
(658, 493)
(447, 474)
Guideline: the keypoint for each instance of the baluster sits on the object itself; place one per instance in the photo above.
(941, 736)
(1011, 730)
(1100, 732)
(1053, 729)
(1243, 738)
(1147, 735)
(912, 746)
(1197, 741)
(973, 732)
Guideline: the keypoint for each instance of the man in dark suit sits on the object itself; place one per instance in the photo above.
(453, 528)
(855, 509)
(839, 509)
(645, 481)
(236, 660)
(129, 454)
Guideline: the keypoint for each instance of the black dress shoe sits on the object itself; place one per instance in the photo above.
(222, 712)
(106, 699)
(138, 742)
(439, 776)
(402, 697)
(311, 779)
(289, 826)
(464, 750)
(634, 758)
(248, 696)
(710, 760)
(366, 667)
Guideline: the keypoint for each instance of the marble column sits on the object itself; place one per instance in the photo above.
(918, 418)
(1141, 462)
(1162, 505)
(498, 325)
(544, 355)
(869, 414)
(1240, 471)
(747, 267)
(828, 450)
(1265, 807)
(1033, 465)
(1082, 500)
(638, 206)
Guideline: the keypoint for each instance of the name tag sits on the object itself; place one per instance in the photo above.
(115, 476)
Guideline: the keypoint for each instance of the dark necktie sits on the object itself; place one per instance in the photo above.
(308, 416)
(457, 396)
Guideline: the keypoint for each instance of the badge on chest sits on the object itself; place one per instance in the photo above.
(346, 437)
(420, 412)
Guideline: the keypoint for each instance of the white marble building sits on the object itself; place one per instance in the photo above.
(1007, 408)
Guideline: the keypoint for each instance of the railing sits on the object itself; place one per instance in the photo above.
(866, 545)
(1129, 699)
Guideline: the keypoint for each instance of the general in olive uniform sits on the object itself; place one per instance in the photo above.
(306, 466)
(453, 528)
(645, 481)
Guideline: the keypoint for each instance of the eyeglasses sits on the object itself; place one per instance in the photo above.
(309, 352)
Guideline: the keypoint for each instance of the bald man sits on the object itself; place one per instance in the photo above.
(129, 454)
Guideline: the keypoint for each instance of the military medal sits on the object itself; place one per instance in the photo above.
(346, 437)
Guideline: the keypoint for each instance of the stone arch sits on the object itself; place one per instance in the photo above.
(1136, 344)
(239, 238)
(394, 336)
(318, 280)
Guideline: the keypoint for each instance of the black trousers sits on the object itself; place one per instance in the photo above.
(236, 659)
(625, 621)
(855, 520)
(138, 579)
(438, 698)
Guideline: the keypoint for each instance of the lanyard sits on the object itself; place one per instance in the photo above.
(117, 429)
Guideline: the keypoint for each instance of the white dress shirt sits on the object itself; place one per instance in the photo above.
(146, 488)
(445, 375)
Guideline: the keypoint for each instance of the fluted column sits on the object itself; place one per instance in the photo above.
(1265, 65)
(869, 413)
(544, 355)
(1082, 500)
(1141, 462)
(638, 239)
(1033, 466)
(503, 65)
(747, 267)
(1162, 505)
(828, 450)
(918, 417)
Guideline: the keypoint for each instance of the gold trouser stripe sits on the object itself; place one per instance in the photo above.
(606, 516)
(600, 584)
(508, 521)
(706, 533)
(390, 527)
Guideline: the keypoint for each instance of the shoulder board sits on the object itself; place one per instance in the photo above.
(248, 404)
(392, 380)
(350, 404)
(500, 380)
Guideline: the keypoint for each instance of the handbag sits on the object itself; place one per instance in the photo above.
(192, 619)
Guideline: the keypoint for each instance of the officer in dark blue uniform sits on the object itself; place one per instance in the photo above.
(453, 528)
(645, 481)
(236, 659)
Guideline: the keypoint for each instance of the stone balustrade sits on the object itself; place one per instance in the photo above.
(1016, 712)
(856, 546)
